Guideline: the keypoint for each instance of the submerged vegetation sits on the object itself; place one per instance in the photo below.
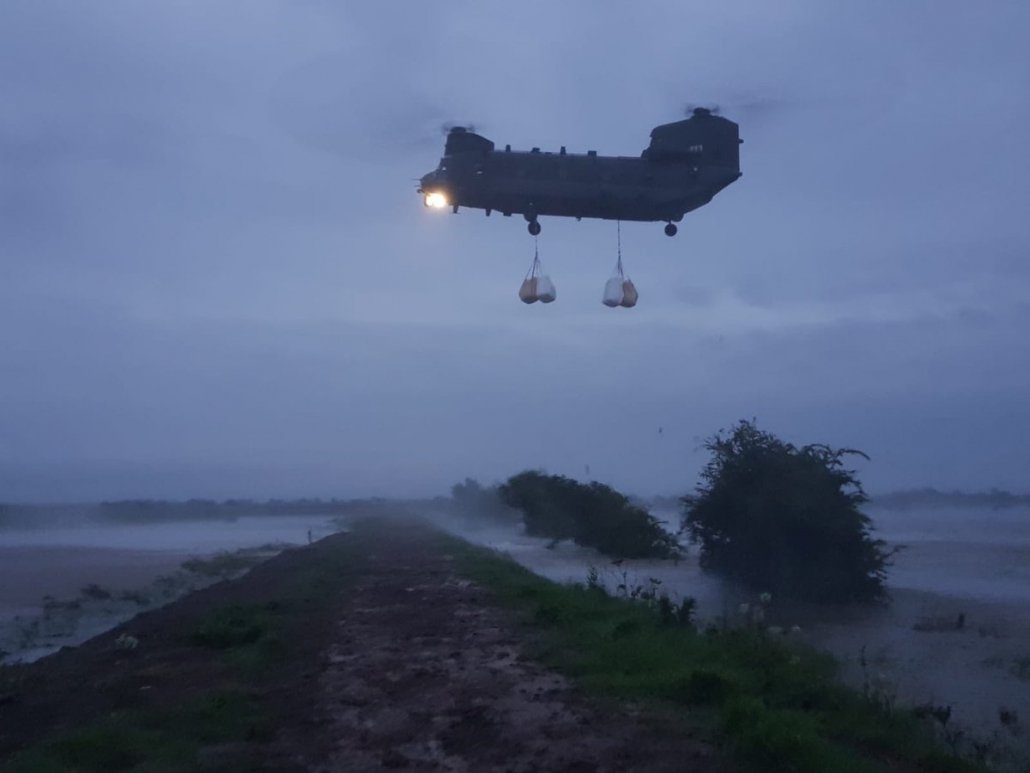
(590, 514)
(226, 563)
(97, 608)
(785, 519)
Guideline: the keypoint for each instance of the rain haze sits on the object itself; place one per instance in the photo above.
(217, 279)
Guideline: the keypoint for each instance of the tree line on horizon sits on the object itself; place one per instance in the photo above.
(994, 499)
(160, 510)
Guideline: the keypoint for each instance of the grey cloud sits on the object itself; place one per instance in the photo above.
(217, 277)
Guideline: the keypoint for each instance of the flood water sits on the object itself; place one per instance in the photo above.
(199, 536)
(41, 566)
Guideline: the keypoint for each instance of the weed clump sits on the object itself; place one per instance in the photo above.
(232, 626)
(671, 613)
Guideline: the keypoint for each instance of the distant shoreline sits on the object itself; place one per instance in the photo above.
(152, 511)
(905, 499)
(929, 497)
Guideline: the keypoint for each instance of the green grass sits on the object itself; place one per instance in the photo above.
(237, 625)
(168, 740)
(251, 637)
(775, 704)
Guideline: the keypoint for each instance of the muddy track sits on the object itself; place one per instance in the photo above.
(427, 673)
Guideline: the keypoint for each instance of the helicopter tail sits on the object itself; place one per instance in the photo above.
(704, 137)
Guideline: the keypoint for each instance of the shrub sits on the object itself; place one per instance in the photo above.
(592, 515)
(785, 519)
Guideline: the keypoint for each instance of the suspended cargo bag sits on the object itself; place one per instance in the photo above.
(619, 291)
(545, 291)
(629, 294)
(612, 292)
(537, 286)
(527, 293)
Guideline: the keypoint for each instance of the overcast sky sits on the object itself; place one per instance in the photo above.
(217, 279)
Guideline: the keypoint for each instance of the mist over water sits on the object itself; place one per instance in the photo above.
(195, 536)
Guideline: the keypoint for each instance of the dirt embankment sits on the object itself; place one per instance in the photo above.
(388, 658)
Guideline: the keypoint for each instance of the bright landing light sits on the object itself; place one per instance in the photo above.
(436, 200)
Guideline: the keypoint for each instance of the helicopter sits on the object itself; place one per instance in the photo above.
(686, 163)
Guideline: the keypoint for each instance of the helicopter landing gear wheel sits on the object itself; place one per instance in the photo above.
(670, 229)
(534, 227)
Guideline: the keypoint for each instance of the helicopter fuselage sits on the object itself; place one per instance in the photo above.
(687, 163)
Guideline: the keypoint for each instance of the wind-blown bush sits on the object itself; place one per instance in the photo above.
(785, 519)
(592, 515)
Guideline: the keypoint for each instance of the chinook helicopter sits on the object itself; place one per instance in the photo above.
(684, 166)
